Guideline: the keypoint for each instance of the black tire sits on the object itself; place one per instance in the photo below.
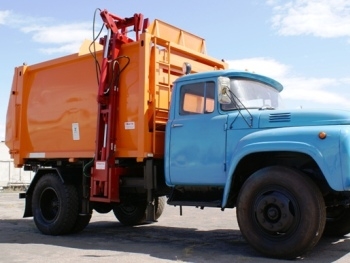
(337, 221)
(103, 208)
(55, 205)
(81, 222)
(131, 213)
(160, 205)
(134, 213)
(281, 212)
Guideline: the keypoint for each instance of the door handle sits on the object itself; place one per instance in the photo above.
(176, 125)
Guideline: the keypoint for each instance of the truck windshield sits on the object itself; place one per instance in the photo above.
(253, 95)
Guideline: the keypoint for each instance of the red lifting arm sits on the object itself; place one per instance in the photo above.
(116, 23)
(105, 173)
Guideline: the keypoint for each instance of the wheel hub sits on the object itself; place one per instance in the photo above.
(49, 204)
(273, 212)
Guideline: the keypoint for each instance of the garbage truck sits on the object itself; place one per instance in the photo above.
(142, 117)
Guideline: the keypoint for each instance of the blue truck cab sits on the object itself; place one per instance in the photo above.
(231, 143)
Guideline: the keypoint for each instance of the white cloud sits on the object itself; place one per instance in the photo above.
(61, 38)
(4, 16)
(66, 48)
(14, 20)
(59, 34)
(308, 92)
(321, 18)
(56, 38)
(260, 65)
(316, 91)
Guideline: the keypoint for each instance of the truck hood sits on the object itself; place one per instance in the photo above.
(302, 117)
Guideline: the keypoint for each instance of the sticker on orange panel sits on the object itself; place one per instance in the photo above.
(75, 131)
(129, 125)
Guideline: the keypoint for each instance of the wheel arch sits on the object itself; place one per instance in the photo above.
(253, 162)
(29, 193)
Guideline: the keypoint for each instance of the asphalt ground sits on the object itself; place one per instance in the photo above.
(207, 235)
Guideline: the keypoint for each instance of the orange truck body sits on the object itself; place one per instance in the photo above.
(52, 111)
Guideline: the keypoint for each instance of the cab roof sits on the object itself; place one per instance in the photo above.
(232, 74)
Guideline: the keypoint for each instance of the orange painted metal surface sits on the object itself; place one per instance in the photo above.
(52, 110)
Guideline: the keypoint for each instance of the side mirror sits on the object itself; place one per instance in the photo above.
(224, 96)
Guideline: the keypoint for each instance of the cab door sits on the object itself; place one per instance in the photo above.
(197, 138)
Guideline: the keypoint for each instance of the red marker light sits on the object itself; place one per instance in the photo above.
(322, 135)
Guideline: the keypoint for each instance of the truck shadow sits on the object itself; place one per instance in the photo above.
(169, 243)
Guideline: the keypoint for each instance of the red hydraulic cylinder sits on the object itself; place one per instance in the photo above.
(105, 173)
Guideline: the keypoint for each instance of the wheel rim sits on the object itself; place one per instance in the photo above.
(128, 209)
(276, 213)
(49, 204)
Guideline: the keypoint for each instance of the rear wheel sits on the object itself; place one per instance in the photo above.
(160, 205)
(55, 205)
(102, 208)
(281, 212)
(134, 212)
(338, 221)
(81, 222)
(131, 213)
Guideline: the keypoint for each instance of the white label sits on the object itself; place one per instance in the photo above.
(129, 125)
(100, 165)
(75, 131)
(36, 155)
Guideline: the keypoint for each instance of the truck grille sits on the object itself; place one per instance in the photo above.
(280, 117)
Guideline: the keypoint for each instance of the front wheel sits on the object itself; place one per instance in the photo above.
(55, 205)
(281, 212)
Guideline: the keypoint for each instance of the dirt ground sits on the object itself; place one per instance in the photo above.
(207, 235)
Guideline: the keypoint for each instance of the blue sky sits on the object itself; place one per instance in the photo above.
(304, 44)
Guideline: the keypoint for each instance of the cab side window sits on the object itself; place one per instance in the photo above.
(197, 98)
